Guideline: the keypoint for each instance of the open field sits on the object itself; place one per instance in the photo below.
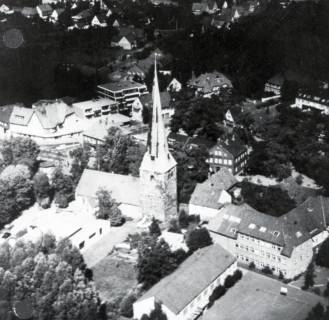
(114, 278)
(257, 297)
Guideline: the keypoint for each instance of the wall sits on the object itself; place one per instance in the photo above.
(204, 212)
(300, 103)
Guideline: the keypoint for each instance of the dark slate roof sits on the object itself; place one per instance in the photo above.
(194, 275)
(207, 194)
(165, 97)
(287, 231)
(233, 145)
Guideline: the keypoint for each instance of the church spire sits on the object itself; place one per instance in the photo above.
(158, 144)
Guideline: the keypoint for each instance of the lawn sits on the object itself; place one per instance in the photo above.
(114, 278)
(257, 297)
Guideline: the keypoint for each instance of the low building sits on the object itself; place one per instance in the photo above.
(229, 153)
(124, 189)
(123, 92)
(209, 84)
(212, 195)
(308, 101)
(145, 101)
(44, 11)
(283, 244)
(185, 293)
(127, 42)
(83, 16)
(95, 108)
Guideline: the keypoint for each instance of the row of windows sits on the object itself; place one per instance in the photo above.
(220, 161)
(220, 153)
(242, 236)
(262, 252)
(260, 264)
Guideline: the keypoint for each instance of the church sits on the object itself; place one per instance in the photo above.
(154, 193)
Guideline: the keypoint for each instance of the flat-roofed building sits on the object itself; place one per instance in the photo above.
(95, 108)
(124, 92)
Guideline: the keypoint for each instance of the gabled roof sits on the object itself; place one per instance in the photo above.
(52, 113)
(85, 14)
(207, 81)
(101, 18)
(6, 111)
(196, 7)
(21, 115)
(194, 275)
(207, 194)
(287, 231)
(124, 188)
(29, 11)
(45, 8)
(234, 146)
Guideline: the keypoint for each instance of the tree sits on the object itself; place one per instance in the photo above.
(198, 238)
(155, 314)
(126, 305)
(16, 192)
(309, 276)
(322, 258)
(19, 151)
(108, 208)
(42, 189)
(80, 161)
(154, 228)
(62, 185)
(155, 261)
(216, 294)
(53, 287)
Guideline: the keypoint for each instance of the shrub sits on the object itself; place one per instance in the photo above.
(216, 294)
(267, 270)
(252, 266)
(198, 238)
(126, 305)
(174, 226)
(281, 276)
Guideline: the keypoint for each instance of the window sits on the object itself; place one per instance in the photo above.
(229, 162)
(81, 245)
(100, 230)
(92, 235)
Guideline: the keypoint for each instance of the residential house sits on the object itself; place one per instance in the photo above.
(229, 153)
(127, 42)
(208, 6)
(212, 195)
(124, 92)
(29, 12)
(209, 84)
(99, 21)
(274, 84)
(118, 23)
(283, 244)
(145, 101)
(136, 71)
(184, 293)
(230, 117)
(313, 101)
(124, 189)
(54, 17)
(5, 115)
(109, 13)
(44, 11)
(83, 16)
(184, 141)
(95, 108)
(219, 22)
(174, 86)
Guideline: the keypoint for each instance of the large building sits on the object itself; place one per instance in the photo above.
(158, 176)
(124, 92)
(308, 101)
(283, 244)
(95, 108)
(185, 293)
(154, 193)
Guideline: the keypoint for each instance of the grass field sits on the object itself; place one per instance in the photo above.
(114, 278)
(256, 297)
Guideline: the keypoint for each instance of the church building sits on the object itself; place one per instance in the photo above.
(155, 191)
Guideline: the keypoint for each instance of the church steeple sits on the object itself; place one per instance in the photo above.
(158, 150)
(158, 194)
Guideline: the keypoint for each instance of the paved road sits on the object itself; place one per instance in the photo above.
(104, 245)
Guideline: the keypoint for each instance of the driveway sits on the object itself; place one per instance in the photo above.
(104, 245)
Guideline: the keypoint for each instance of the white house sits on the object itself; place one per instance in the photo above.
(212, 195)
(174, 85)
(283, 244)
(54, 17)
(44, 11)
(99, 21)
(185, 293)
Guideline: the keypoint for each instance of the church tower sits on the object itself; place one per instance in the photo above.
(158, 181)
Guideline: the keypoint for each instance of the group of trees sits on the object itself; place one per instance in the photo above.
(49, 277)
(271, 200)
